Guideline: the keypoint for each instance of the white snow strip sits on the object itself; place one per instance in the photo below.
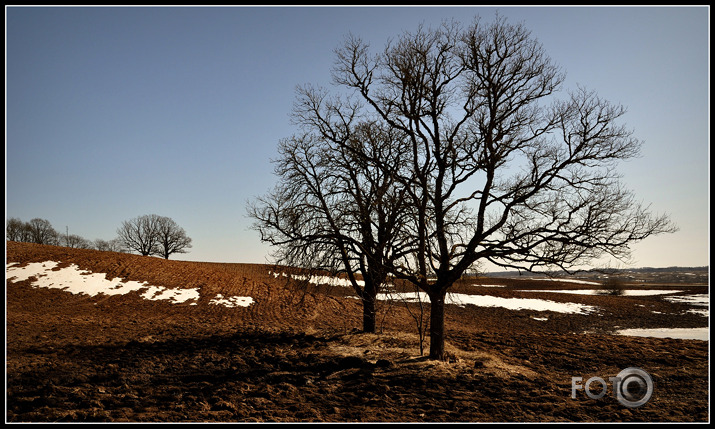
(627, 292)
(72, 279)
(495, 301)
(585, 282)
(321, 280)
(697, 299)
(678, 333)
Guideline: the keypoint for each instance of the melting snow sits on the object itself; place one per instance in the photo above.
(678, 333)
(628, 292)
(698, 299)
(585, 282)
(321, 280)
(462, 299)
(72, 279)
(232, 301)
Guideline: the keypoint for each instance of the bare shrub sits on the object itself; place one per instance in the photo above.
(613, 286)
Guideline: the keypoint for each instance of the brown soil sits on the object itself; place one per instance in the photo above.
(296, 354)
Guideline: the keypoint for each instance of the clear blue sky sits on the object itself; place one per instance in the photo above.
(112, 113)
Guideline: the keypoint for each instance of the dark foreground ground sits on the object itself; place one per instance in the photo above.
(298, 358)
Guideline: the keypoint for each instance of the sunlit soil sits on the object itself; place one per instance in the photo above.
(100, 336)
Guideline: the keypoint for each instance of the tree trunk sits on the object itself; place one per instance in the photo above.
(436, 328)
(373, 282)
(368, 314)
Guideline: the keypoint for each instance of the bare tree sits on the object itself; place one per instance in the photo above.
(500, 170)
(140, 234)
(416, 307)
(16, 230)
(153, 235)
(613, 285)
(113, 245)
(335, 207)
(75, 241)
(171, 238)
(40, 231)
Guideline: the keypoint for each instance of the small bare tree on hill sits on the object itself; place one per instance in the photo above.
(40, 231)
(171, 238)
(153, 235)
(75, 241)
(113, 245)
(16, 230)
(139, 234)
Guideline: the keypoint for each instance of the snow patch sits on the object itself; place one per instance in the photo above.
(321, 280)
(677, 333)
(627, 292)
(585, 282)
(232, 301)
(697, 299)
(462, 299)
(72, 279)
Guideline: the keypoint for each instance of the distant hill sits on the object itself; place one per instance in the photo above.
(649, 275)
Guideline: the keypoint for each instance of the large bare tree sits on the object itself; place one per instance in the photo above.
(336, 206)
(501, 170)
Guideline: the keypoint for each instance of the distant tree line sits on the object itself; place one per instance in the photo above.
(147, 235)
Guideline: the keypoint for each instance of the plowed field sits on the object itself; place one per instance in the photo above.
(295, 353)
